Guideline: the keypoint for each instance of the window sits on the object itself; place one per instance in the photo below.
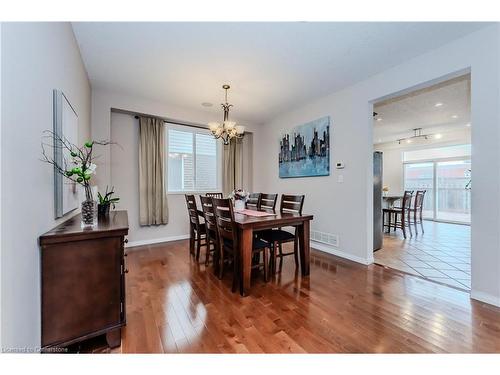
(193, 160)
(446, 176)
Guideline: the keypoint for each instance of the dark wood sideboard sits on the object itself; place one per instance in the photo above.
(83, 281)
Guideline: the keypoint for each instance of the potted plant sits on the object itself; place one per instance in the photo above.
(77, 165)
(239, 197)
(106, 201)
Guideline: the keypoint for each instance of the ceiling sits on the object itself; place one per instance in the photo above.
(436, 109)
(271, 67)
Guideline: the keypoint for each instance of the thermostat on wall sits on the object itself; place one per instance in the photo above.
(340, 165)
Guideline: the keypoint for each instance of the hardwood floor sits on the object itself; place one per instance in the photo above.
(176, 305)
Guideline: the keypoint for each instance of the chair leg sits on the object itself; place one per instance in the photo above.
(191, 240)
(198, 246)
(266, 265)
(221, 262)
(403, 226)
(274, 256)
(415, 221)
(421, 222)
(389, 223)
(408, 221)
(280, 248)
(207, 257)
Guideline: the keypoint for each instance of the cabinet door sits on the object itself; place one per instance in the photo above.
(81, 288)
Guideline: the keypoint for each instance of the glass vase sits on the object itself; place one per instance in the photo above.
(89, 208)
(239, 204)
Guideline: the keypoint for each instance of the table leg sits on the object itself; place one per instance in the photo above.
(304, 247)
(246, 240)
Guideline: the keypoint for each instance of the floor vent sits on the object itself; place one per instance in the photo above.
(326, 238)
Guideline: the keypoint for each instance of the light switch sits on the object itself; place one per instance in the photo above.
(340, 178)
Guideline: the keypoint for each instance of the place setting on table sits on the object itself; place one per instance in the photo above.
(245, 225)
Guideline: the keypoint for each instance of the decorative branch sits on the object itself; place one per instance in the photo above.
(82, 159)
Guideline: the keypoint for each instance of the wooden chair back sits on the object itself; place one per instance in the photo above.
(192, 210)
(224, 217)
(253, 201)
(214, 195)
(419, 200)
(406, 204)
(268, 201)
(208, 213)
(292, 203)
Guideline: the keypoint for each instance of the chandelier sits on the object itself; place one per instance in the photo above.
(228, 129)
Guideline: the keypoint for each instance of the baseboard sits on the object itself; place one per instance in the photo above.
(316, 245)
(485, 297)
(157, 240)
(331, 250)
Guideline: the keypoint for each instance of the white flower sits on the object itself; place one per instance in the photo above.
(91, 168)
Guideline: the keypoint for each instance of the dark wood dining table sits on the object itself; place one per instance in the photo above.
(248, 224)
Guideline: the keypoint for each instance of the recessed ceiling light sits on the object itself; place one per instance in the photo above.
(454, 116)
(468, 124)
(438, 136)
(379, 119)
(206, 104)
(379, 140)
(409, 141)
(438, 104)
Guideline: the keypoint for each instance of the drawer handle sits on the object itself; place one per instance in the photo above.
(126, 240)
(126, 255)
(126, 270)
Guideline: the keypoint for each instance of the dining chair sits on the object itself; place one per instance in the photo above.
(198, 234)
(268, 201)
(277, 237)
(401, 215)
(211, 230)
(253, 201)
(229, 245)
(416, 210)
(214, 195)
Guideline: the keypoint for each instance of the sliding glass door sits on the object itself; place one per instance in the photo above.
(420, 176)
(447, 185)
(453, 198)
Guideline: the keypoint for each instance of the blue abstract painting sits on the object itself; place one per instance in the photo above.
(305, 151)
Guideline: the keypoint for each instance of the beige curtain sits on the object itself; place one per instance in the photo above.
(152, 193)
(232, 176)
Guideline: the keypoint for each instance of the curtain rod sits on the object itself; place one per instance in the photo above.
(169, 120)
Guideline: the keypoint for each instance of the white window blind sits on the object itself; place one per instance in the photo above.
(193, 160)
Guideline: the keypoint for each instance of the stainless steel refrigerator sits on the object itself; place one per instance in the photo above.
(377, 200)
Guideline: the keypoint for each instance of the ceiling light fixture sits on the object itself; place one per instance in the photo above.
(454, 116)
(438, 104)
(228, 129)
(468, 124)
(379, 119)
(418, 134)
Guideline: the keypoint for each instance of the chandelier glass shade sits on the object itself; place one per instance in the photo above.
(226, 130)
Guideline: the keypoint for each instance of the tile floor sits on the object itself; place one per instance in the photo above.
(441, 254)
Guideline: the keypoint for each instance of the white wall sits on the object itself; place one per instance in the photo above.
(346, 208)
(393, 173)
(36, 58)
(118, 165)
